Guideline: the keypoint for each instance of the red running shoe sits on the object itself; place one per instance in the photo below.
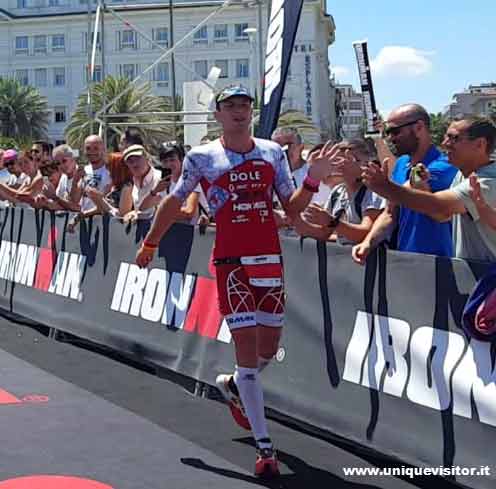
(266, 465)
(233, 400)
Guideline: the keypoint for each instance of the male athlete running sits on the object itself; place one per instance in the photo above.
(238, 175)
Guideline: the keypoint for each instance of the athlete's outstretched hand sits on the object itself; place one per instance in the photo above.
(321, 161)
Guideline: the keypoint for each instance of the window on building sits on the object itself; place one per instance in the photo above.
(162, 72)
(22, 3)
(201, 35)
(97, 74)
(53, 3)
(242, 68)
(40, 77)
(161, 36)
(201, 68)
(223, 64)
(59, 77)
(85, 41)
(22, 77)
(128, 39)
(220, 32)
(128, 71)
(60, 114)
(58, 42)
(356, 106)
(21, 45)
(40, 44)
(239, 31)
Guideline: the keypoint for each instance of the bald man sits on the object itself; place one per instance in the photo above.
(408, 130)
(95, 174)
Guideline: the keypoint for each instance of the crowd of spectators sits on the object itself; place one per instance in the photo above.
(397, 188)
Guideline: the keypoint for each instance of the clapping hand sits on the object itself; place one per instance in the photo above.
(315, 214)
(419, 177)
(476, 191)
(376, 177)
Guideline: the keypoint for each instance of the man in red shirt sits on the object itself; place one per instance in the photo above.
(238, 175)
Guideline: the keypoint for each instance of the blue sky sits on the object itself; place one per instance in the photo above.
(422, 51)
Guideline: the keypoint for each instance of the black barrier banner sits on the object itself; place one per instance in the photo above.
(375, 354)
(284, 20)
(362, 56)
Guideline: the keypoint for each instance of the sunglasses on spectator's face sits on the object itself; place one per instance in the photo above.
(34, 150)
(395, 130)
(455, 138)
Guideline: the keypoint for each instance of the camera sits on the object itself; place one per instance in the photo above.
(164, 172)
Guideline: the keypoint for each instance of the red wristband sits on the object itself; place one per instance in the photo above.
(150, 246)
(310, 185)
(311, 181)
(310, 188)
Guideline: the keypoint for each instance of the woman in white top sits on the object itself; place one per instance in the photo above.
(150, 185)
(171, 156)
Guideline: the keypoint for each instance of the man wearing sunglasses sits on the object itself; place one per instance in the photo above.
(40, 153)
(469, 144)
(408, 132)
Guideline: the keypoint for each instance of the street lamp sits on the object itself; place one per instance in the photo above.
(253, 71)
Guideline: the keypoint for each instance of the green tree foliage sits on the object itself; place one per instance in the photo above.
(136, 99)
(23, 111)
(439, 124)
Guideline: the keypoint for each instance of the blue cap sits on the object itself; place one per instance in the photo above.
(233, 91)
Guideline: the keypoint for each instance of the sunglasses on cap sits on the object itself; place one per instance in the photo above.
(395, 130)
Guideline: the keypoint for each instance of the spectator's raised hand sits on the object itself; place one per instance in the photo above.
(162, 185)
(79, 174)
(281, 218)
(419, 177)
(375, 177)
(315, 214)
(379, 125)
(476, 191)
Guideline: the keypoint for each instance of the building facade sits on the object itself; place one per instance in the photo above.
(350, 111)
(44, 43)
(477, 100)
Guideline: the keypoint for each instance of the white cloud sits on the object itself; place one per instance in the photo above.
(340, 71)
(401, 61)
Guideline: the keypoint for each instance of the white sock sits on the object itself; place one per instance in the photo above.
(251, 393)
(263, 363)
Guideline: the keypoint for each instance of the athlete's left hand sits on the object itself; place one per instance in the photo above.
(320, 162)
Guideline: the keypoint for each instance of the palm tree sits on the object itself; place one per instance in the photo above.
(135, 100)
(439, 125)
(23, 111)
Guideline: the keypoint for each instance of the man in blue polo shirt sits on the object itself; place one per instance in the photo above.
(408, 130)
